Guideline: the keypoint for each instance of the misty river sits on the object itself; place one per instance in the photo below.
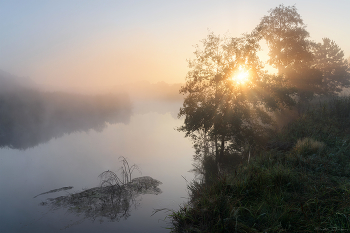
(147, 138)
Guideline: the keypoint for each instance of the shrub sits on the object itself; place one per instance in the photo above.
(308, 146)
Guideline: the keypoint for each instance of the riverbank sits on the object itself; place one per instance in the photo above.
(301, 187)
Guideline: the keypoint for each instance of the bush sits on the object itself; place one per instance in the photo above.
(307, 146)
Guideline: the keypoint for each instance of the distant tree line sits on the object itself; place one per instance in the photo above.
(29, 117)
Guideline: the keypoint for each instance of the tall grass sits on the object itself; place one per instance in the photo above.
(110, 178)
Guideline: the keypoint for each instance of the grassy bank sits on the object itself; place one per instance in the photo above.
(303, 187)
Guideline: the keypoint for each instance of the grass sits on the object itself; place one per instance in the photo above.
(110, 178)
(303, 189)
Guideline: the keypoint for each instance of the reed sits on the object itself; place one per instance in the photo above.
(110, 178)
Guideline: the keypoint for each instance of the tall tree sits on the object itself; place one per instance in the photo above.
(287, 38)
(329, 60)
(313, 68)
(224, 107)
(290, 49)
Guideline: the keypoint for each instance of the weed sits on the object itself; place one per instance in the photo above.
(308, 146)
(109, 178)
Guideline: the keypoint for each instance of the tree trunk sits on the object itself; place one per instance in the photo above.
(222, 149)
(216, 149)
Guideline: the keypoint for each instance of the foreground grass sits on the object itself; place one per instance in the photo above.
(304, 189)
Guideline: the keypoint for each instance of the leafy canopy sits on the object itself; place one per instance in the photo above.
(228, 95)
(313, 68)
(224, 110)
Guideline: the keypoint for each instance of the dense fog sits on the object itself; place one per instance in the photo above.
(29, 117)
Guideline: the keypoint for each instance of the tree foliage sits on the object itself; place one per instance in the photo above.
(313, 68)
(286, 37)
(224, 112)
(329, 60)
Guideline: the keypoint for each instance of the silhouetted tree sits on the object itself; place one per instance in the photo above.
(329, 60)
(221, 112)
(310, 67)
(289, 49)
(286, 36)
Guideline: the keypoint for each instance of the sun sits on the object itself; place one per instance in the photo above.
(241, 76)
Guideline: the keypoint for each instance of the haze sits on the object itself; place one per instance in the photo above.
(94, 46)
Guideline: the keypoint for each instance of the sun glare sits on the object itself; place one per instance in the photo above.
(241, 76)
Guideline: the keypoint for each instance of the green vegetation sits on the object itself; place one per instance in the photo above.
(229, 97)
(312, 68)
(222, 109)
(304, 189)
(296, 179)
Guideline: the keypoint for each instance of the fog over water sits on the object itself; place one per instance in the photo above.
(75, 148)
(83, 83)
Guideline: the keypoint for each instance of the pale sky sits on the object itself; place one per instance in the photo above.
(93, 45)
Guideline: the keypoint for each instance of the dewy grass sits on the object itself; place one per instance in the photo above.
(308, 146)
(305, 189)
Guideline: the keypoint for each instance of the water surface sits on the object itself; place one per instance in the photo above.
(148, 139)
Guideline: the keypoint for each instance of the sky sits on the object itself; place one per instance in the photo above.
(94, 45)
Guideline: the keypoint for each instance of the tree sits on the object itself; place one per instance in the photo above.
(286, 36)
(329, 60)
(313, 68)
(220, 111)
(290, 50)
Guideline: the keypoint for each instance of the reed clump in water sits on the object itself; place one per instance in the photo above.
(113, 199)
(109, 178)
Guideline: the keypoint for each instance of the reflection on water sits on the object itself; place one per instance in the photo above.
(55, 191)
(112, 200)
(28, 118)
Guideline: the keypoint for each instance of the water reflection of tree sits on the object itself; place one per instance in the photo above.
(110, 202)
(113, 199)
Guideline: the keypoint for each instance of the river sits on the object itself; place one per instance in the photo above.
(149, 139)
